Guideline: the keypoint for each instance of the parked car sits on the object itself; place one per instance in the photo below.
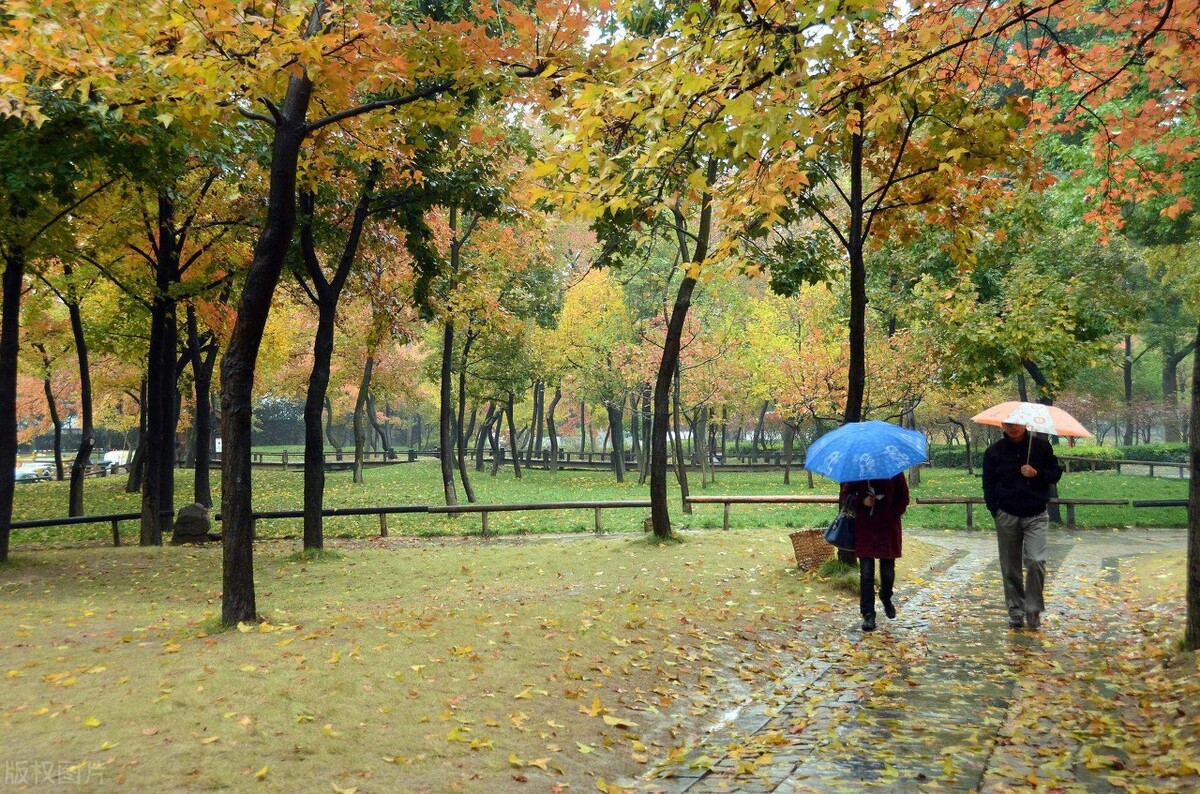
(115, 459)
(31, 474)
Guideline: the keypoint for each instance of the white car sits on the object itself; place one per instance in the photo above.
(31, 474)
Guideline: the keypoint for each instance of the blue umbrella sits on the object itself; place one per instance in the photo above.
(865, 451)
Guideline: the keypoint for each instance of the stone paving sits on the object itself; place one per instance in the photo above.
(930, 701)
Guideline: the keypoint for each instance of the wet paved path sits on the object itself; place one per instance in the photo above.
(932, 700)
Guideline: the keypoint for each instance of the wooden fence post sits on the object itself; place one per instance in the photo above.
(599, 528)
(483, 515)
(725, 525)
(383, 525)
(970, 516)
(116, 534)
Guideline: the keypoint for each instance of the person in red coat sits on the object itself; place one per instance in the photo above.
(877, 505)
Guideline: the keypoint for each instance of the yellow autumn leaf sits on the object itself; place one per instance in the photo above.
(91, 722)
(261, 774)
(540, 763)
(514, 761)
(618, 723)
(596, 709)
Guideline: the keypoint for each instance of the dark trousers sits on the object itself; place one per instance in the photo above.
(866, 583)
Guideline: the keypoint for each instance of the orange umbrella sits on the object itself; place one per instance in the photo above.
(1037, 417)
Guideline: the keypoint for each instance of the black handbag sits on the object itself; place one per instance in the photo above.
(840, 532)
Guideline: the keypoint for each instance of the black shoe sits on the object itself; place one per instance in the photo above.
(889, 609)
(1033, 620)
(869, 622)
(1016, 622)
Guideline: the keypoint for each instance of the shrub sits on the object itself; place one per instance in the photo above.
(1166, 453)
(1097, 457)
(951, 457)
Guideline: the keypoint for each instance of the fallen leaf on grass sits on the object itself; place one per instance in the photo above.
(619, 723)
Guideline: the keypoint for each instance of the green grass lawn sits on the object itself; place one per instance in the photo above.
(419, 483)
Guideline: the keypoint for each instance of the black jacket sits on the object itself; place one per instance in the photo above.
(1005, 488)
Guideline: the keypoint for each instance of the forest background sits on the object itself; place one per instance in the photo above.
(727, 216)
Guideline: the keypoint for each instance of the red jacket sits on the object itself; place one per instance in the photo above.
(877, 530)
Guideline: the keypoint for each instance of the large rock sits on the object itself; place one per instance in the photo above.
(192, 525)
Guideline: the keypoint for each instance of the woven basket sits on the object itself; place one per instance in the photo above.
(811, 548)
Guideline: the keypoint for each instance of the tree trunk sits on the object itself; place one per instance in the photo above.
(484, 434)
(647, 427)
(204, 359)
(1170, 389)
(635, 428)
(330, 438)
(660, 516)
(512, 436)
(52, 407)
(1127, 367)
(381, 430)
(446, 415)
(137, 462)
(789, 443)
(158, 490)
(10, 324)
(494, 440)
(539, 410)
(87, 439)
(758, 441)
(582, 426)
(724, 429)
(1192, 631)
(461, 434)
(360, 419)
(616, 421)
(681, 474)
(704, 452)
(241, 355)
(857, 369)
(552, 428)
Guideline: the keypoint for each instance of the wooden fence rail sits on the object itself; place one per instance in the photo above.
(726, 501)
(1090, 464)
(968, 501)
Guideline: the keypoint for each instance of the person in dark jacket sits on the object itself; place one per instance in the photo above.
(1018, 472)
(877, 505)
